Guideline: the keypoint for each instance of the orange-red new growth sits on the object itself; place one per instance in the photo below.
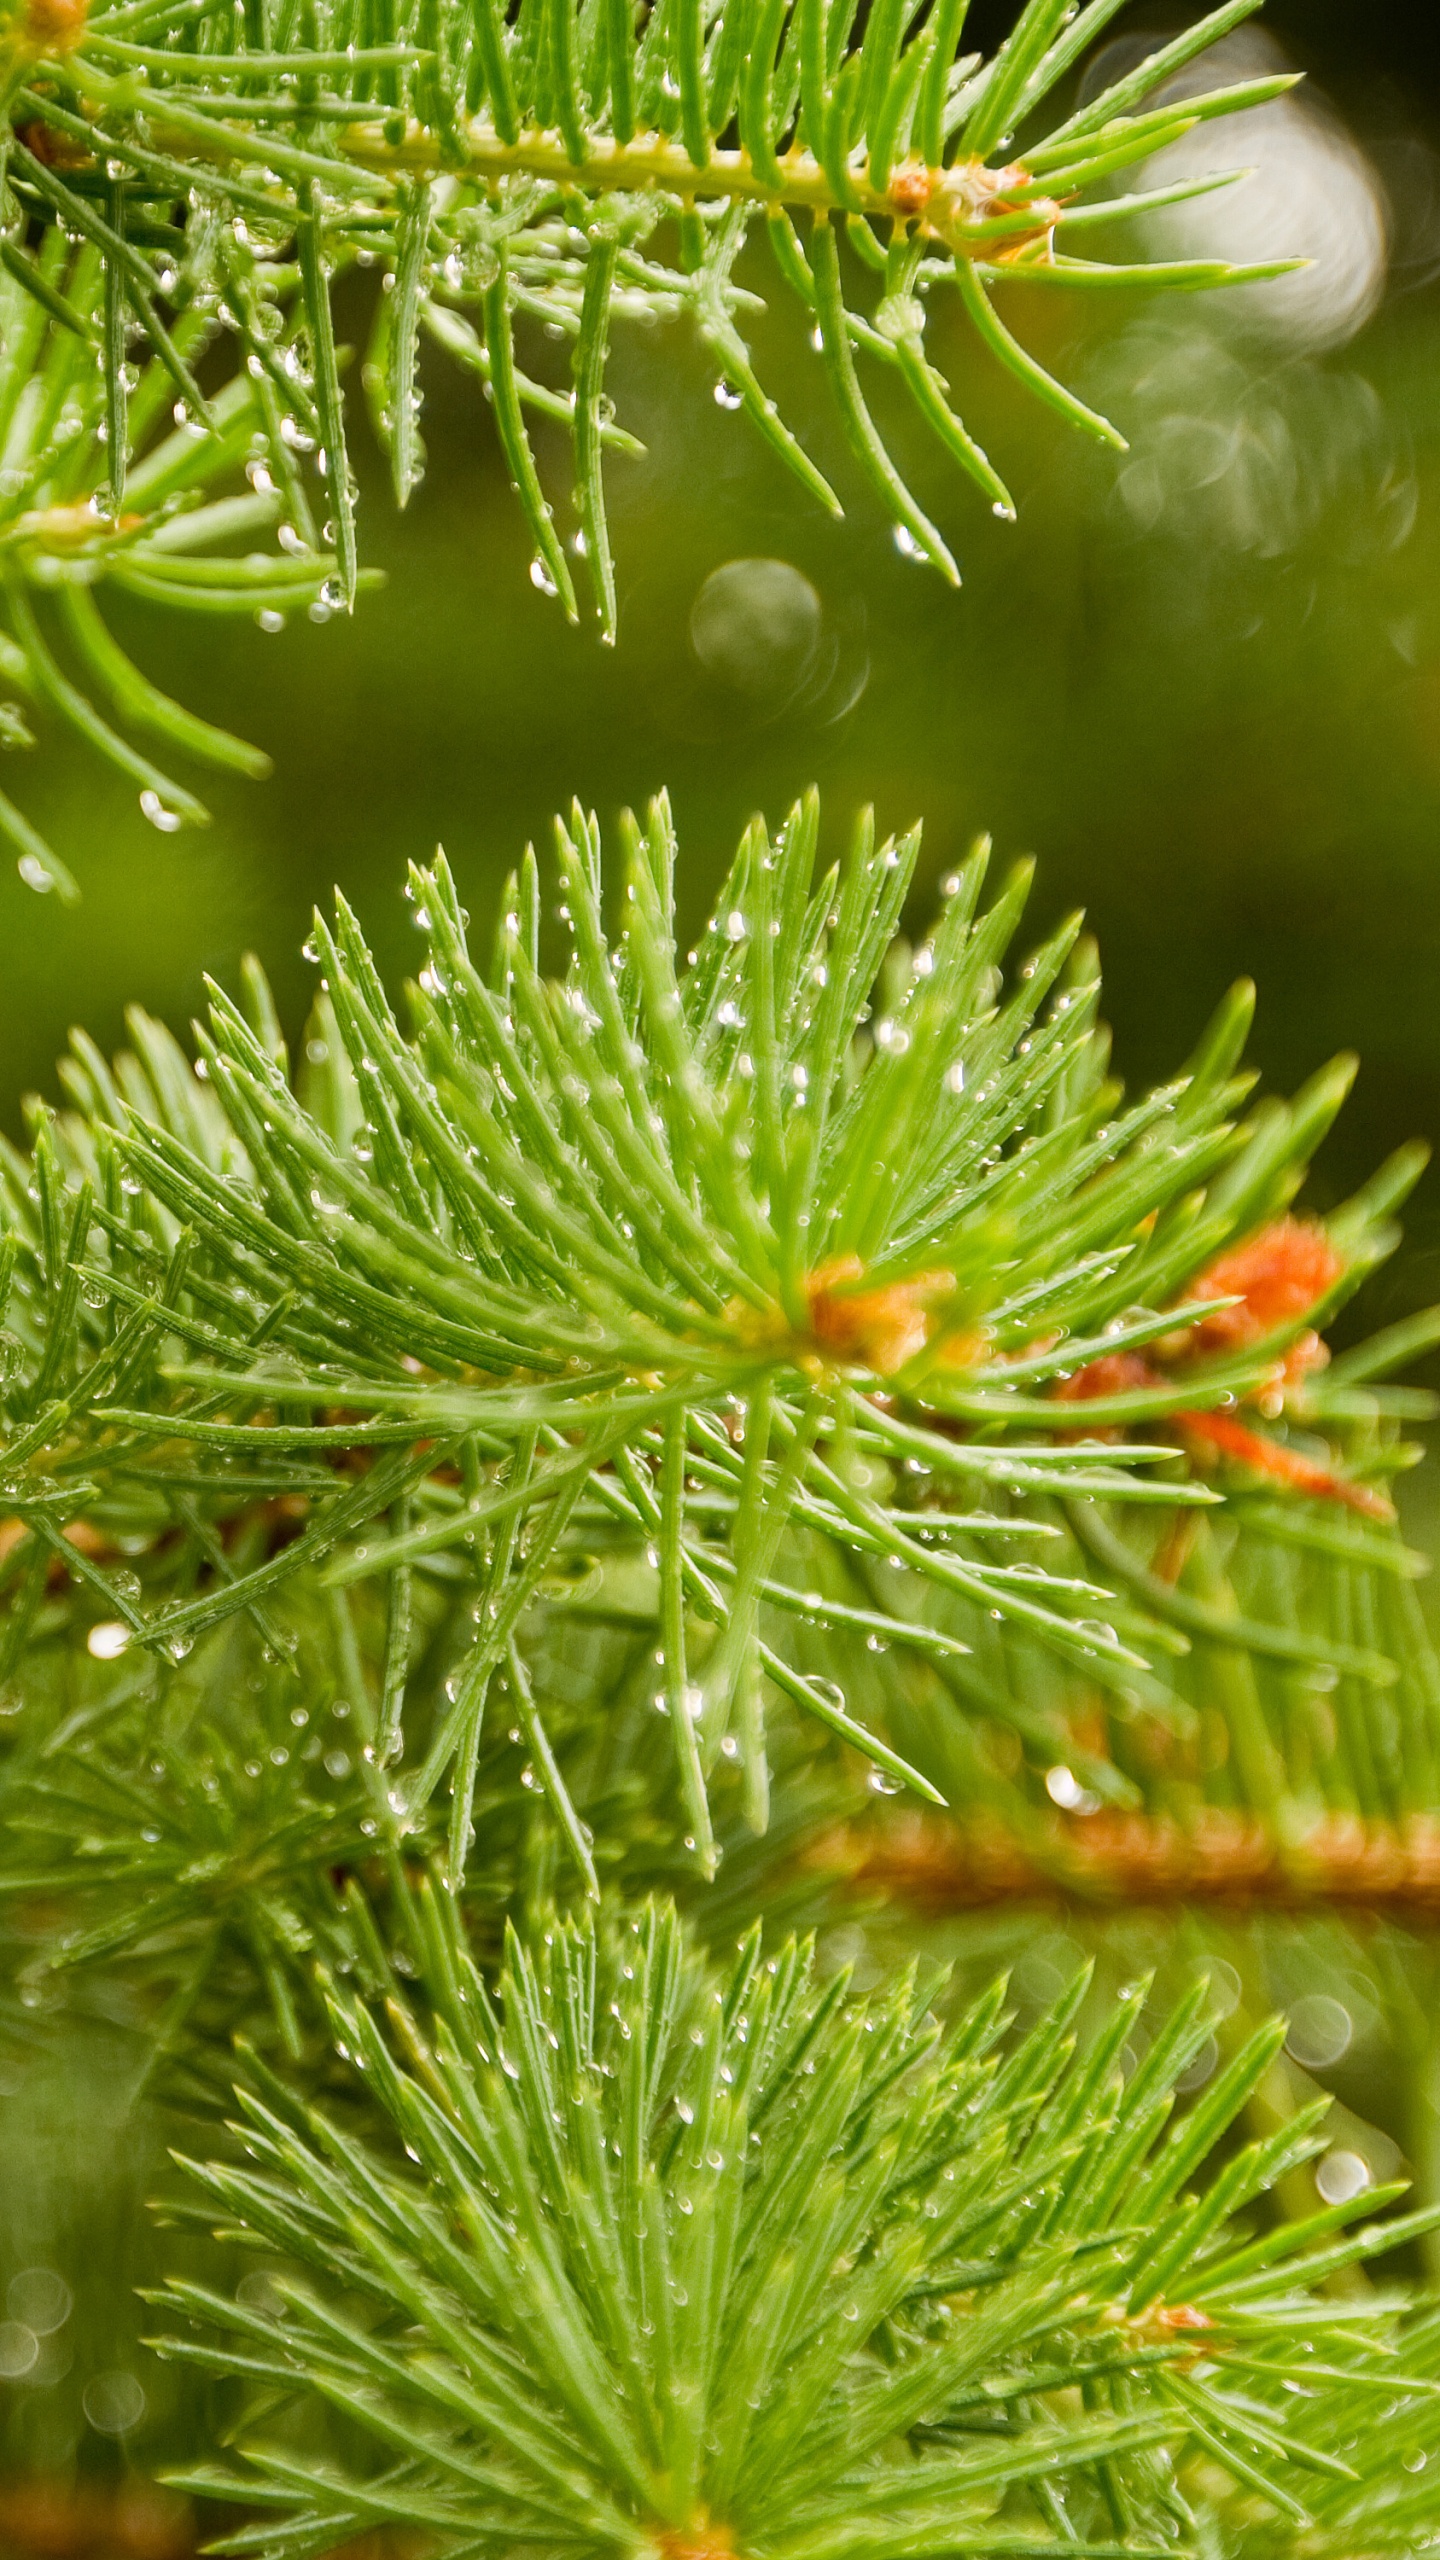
(880, 1329)
(1233, 1439)
(1274, 1279)
(911, 188)
(1159, 2320)
(1279, 1275)
(1114, 1374)
(58, 151)
(845, 1324)
(44, 26)
(703, 2542)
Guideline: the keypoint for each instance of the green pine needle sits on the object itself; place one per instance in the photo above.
(819, 1297)
(641, 2259)
(154, 508)
(536, 165)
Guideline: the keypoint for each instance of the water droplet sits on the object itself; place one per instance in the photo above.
(906, 544)
(35, 874)
(727, 397)
(1341, 2175)
(540, 577)
(113, 2403)
(153, 807)
(40, 2300)
(1096, 1630)
(1064, 1788)
(757, 625)
(269, 619)
(1201, 2069)
(19, 2346)
(1320, 2031)
(107, 1639)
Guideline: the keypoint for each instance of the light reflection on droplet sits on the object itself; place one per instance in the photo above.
(153, 807)
(19, 2348)
(756, 625)
(1200, 2069)
(1233, 457)
(1064, 1788)
(1319, 2032)
(1341, 2175)
(113, 2403)
(1310, 193)
(39, 2299)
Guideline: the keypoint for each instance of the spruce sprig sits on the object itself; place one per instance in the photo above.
(640, 2259)
(752, 1294)
(147, 513)
(573, 165)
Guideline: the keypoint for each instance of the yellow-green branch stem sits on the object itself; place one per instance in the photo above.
(943, 201)
(968, 206)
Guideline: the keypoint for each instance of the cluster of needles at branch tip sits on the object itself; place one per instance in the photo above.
(814, 1305)
(693, 2263)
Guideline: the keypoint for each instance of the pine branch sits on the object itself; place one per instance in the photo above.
(569, 166)
(701, 2266)
(1261, 1764)
(803, 1316)
(1225, 1861)
(69, 529)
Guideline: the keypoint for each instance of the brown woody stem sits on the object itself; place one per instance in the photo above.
(939, 1865)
